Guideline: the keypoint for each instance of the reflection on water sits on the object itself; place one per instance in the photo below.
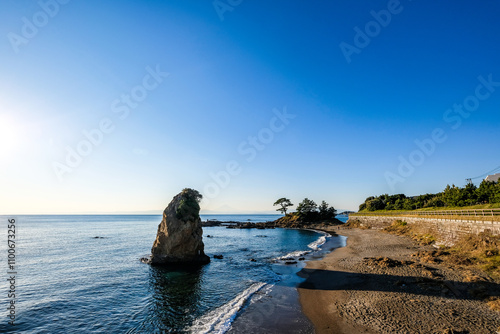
(176, 296)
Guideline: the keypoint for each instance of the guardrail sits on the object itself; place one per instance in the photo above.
(438, 213)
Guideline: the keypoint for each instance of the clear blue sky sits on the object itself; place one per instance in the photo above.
(356, 102)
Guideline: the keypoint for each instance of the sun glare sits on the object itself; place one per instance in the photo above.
(9, 134)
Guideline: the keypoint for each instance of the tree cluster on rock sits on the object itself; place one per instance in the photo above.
(308, 212)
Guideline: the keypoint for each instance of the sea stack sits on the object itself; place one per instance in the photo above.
(179, 239)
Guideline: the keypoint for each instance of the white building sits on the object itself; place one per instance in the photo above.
(494, 177)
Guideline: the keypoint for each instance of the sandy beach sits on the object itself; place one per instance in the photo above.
(375, 285)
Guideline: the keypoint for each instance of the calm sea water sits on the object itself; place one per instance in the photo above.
(68, 281)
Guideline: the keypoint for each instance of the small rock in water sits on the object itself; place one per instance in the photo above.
(253, 260)
(302, 258)
(291, 262)
(218, 256)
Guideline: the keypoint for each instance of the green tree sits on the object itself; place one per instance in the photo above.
(409, 204)
(451, 195)
(399, 204)
(469, 194)
(326, 212)
(284, 203)
(375, 204)
(435, 201)
(306, 206)
(323, 207)
(496, 196)
(486, 192)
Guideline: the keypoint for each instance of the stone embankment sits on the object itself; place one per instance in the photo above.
(447, 229)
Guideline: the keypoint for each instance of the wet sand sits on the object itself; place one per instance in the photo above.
(374, 285)
(277, 311)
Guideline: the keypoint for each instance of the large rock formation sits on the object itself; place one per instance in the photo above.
(179, 237)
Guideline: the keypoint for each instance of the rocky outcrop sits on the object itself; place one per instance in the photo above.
(179, 238)
(293, 220)
(259, 226)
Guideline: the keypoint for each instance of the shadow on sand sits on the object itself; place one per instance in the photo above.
(339, 280)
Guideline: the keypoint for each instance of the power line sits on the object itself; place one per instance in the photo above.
(481, 176)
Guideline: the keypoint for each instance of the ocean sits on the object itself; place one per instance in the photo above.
(82, 274)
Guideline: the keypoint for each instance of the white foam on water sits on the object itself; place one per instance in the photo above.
(292, 255)
(315, 245)
(220, 319)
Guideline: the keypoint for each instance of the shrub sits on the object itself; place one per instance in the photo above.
(189, 207)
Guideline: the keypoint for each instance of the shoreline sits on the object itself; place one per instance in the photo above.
(273, 309)
(276, 308)
(375, 285)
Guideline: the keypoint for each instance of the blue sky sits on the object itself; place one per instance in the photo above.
(246, 101)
